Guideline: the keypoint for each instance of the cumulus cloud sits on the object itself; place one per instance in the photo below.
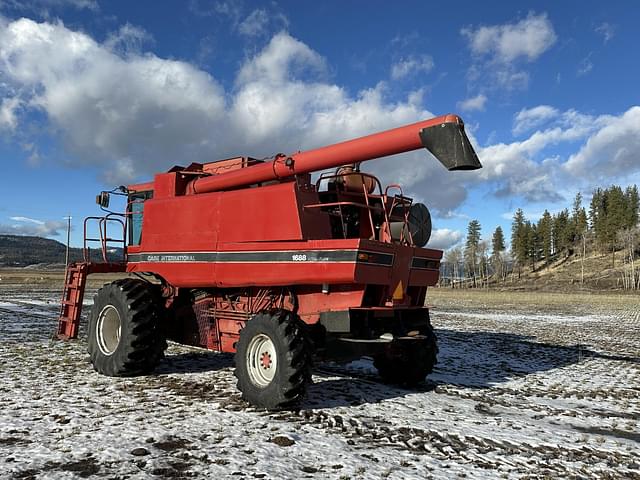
(411, 65)
(529, 38)
(529, 118)
(31, 226)
(131, 114)
(444, 238)
(525, 168)
(474, 103)
(134, 114)
(499, 49)
(612, 151)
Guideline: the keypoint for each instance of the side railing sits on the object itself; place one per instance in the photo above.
(396, 210)
(103, 237)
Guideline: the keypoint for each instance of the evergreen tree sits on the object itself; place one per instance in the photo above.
(579, 216)
(498, 247)
(532, 243)
(471, 247)
(519, 237)
(545, 238)
(497, 242)
(596, 209)
(632, 206)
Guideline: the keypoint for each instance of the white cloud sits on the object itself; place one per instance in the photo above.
(131, 115)
(529, 38)
(261, 21)
(586, 65)
(606, 30)
(8, 117)
(255, 24)
(411, 65)
(444, 238)
(529, 118)
(612, 151)
(523, 168)
(27, 219)
(499, 49)
(128, 39)
(108, 108)
(30, 226)
(46, 8)
(474, 103)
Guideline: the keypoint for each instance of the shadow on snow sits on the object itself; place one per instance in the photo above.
(466, 359)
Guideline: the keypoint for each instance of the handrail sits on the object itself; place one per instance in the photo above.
(398, 200)
(401, 200)
(104, 239)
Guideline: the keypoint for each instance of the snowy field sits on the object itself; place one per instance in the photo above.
(521, 391)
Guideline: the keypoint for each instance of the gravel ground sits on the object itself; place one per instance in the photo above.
(525, 388)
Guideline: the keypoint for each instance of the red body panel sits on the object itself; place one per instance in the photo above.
(233, 238)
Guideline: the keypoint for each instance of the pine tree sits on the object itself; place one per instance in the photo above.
(579, 216)
(471, 247)
(615, 218)
(545, 238)
(497, 242)
(632, 206)
(595, 209)
(519, 239)
(498, 247)
(531, 243)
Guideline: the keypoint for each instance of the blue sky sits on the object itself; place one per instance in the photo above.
(94, 94)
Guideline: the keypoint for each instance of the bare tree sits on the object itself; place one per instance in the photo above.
(628, 239)
(454, 257)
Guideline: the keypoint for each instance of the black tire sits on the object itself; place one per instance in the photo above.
(125, 337)
(408, 362)
(279, 339)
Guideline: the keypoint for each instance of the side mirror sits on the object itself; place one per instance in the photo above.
(103, 199)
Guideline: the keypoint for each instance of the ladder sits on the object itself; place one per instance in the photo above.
(76, 274)
(72, 296)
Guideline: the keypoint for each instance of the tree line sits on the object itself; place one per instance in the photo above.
(609, 225)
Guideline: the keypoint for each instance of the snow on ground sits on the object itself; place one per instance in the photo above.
(516, 394)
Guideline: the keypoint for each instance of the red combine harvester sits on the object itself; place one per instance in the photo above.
(250, 256)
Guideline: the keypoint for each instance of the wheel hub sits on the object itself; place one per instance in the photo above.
(261, 360)
(265, 360)
(108, 328)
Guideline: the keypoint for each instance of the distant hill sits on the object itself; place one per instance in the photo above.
(22, 251)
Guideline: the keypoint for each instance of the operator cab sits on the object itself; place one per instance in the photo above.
(135, 211)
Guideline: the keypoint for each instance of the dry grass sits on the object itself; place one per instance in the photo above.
(532, 300)
(49, 278)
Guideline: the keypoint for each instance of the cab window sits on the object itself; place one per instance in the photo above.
(135, 209)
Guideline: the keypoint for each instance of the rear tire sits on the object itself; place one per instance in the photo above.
(408, 362)
(125, 336)
(273, 360)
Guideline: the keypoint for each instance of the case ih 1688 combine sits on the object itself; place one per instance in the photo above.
(252, 257)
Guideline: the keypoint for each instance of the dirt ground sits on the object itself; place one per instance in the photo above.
(527, 386)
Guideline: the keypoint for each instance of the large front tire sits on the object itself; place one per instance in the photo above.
(125, 336)
(273, 361)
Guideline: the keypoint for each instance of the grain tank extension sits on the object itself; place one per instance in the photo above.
(253, 257)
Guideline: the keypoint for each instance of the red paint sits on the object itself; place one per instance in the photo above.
(232, 238)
